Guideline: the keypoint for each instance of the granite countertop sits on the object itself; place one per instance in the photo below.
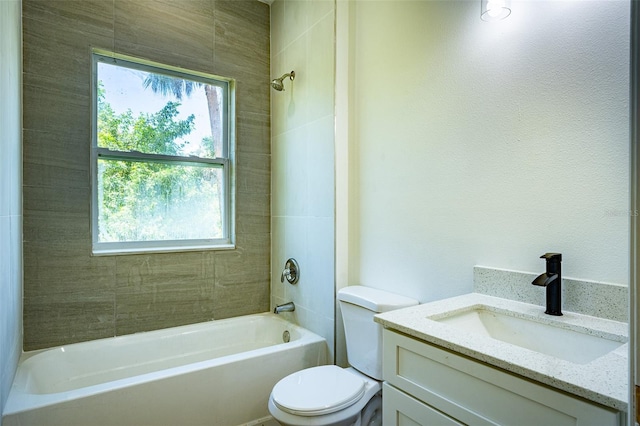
(603, 380)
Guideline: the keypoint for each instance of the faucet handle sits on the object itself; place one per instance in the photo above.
(552, 256)
(291, 272)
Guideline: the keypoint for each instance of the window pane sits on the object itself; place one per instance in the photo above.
(140, 201)
(158, 114)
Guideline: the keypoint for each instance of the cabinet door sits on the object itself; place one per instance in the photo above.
(400, 409)
(476, 393)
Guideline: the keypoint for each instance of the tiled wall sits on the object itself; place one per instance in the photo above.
(10, 199)
(71, 296)
(303, 40)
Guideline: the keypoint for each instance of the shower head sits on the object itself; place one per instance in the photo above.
(277, 83)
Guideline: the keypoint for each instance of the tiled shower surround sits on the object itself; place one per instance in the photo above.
(10, 196)
(70, 295)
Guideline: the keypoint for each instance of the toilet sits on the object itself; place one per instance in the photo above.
(329, 395)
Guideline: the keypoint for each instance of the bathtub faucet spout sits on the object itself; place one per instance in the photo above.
(287, 307)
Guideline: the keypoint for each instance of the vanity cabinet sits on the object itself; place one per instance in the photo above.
(428, 385)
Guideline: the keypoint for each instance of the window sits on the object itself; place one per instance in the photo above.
(161, 158)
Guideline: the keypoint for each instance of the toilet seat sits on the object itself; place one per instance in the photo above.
(318, 391)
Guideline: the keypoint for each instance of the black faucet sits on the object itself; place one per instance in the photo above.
(552, 280)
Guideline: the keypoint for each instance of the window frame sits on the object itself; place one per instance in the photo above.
(226, 162)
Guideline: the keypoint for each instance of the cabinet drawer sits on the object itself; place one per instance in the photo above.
(475, 393)
(400, 409)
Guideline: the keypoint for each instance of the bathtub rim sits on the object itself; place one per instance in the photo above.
(19, 400)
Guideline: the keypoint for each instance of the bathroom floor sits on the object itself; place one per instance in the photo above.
(266, 421)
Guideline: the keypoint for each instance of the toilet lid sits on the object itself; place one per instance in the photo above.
(317, 391)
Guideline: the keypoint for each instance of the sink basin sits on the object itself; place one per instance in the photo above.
(584, 355)
(570, 345)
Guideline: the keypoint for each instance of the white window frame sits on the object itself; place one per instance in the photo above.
(226, 163)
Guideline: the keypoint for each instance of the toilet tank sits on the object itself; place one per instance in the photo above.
(364, 336)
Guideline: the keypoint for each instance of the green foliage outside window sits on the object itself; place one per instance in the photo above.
(153, 201)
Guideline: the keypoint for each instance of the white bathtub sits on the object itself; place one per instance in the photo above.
(215, 373)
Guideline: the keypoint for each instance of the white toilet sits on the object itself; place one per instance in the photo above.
(330, 395)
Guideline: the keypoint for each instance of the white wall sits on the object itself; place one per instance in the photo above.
(302, 149)
(488, 144)
(10, 194)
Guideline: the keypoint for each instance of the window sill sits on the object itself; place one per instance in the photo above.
(169, 249)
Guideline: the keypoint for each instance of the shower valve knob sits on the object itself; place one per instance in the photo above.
(291, 272)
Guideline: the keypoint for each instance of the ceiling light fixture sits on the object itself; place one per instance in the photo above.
(494, 10)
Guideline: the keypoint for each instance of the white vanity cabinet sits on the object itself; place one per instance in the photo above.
(427, 385)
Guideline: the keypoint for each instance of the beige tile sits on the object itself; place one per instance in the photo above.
(53, 320)
(68, 295)
(163, 290)
(252, 88)
(86, 283)
(242, 278)
(242, 52)
(56, 199)
(241, 299)
(63, 251)
(72, 296)
(86, 16)
(253, 133)
(637, 404)
(66, 268)
(248, 263)
(59, 56)
(252, 224)
(254, 243)
(253, 173)
(245, 22)
(253, 95)
(53, 110)
(56, 150)
(252, 204)
(52, 226)
(242, 39)
(255, 12)
(178, 33)
(169, 307)
(162, 57)
(146, 271)
(50, 175)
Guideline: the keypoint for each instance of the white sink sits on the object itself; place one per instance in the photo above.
(529, 333)
(584, 355)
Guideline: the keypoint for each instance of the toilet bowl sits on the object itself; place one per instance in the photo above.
(327, 396)
(332, 396)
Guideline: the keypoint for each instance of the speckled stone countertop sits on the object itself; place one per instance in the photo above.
(603, 380)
